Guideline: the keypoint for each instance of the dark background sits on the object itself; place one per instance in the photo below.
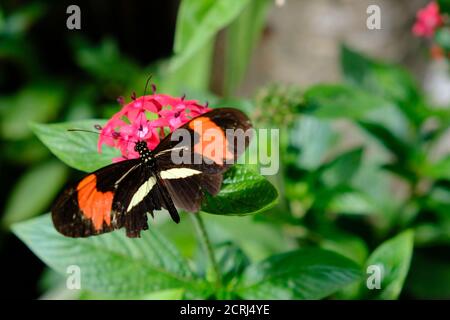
(144, 31)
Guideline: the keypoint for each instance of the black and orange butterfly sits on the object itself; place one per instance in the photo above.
(121, 194)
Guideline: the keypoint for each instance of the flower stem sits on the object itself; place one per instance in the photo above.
(206, 243)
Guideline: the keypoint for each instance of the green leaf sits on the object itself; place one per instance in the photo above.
(300, 274)
(340, 101)
(173, 294)
(351, 202)
(197, 23)
(30, 196)
(111, 263)
(311, 138)
(21, 19)
(346, 244)
(232, 261)
(105, 61)
(243, 192)
(393, 257)
(77, 149)
(37, 103)
(392, 143)
(385, 80)
(193, 75)
(342, 168)
(242, 36)
(438, 170)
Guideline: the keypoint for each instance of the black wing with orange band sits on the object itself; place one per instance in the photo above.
(86, 208)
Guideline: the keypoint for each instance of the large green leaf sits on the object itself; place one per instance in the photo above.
(300, 274)
(393, 257)
(242, 37)
(244, 191)
(340, 101)
(77, 149)
(198, 21)
(34, 191)
(111, 263)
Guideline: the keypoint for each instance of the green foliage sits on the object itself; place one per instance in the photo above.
(300, 274)
(340, 101)
(112, 264)
(34, 104)
(198, 22)
(38, 186)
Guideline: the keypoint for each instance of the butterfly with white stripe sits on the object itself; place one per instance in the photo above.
(121, 194)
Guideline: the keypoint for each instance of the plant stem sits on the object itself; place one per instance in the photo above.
(206, 242)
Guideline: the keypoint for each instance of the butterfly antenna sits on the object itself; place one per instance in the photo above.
(83, 130)
(146, 84)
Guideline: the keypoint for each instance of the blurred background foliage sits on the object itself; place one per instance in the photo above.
(384, 199)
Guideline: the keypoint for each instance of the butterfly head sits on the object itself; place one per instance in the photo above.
(144, 153)
(141, 147)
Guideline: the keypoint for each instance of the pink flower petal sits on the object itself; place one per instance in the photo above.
(131, 124)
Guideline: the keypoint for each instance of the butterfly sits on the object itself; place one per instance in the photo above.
(185, 165)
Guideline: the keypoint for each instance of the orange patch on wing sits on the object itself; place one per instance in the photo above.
(213, 143)
(94, 204)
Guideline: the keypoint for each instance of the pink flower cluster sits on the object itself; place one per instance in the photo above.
(146, 118)
(427, 20)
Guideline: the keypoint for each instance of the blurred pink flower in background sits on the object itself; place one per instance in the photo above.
(427, 20)
(131, 123)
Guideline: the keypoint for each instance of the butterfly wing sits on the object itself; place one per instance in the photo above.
(192, 159)
(89, 207)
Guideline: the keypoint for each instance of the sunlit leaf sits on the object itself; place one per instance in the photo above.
(198, 21)
(243, 191)
(77, 149)
(393, 257)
